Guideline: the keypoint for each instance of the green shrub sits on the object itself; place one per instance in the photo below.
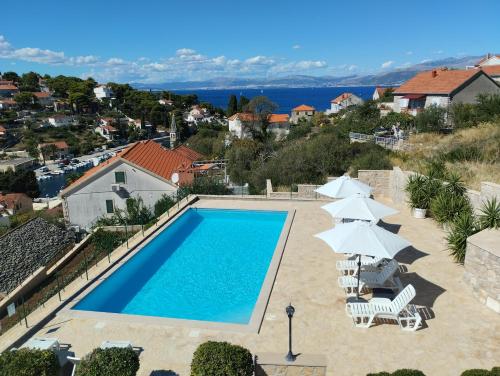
(374, 158)
(26, 362)
(454, 184)
(163, 204)
(430, 120)
(462, 227)
(109, 362)
(408, 372)
(476, 372)
(221, 359)
(490, 214)
(420, 190)
(445, 207)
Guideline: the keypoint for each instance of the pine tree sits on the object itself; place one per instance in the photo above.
(243, 104)
(232, 106)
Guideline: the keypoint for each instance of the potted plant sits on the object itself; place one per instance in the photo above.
(418, 195)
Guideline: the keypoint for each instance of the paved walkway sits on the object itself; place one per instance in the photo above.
(459, 334)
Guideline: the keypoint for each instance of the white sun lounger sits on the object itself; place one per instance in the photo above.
(398, 309)
(350, 266)
(119, 344)
(383, 279)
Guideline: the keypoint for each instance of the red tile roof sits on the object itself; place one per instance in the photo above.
(9, 200)
(8, 101)
(341, 97)
(278, 118)
(440, 81)
(243, 116)
(8, 87)
(58, 144)
(152, 157)
(2, 129)
(109, 128)
(491, 70)
(42, 94)
(304, 107)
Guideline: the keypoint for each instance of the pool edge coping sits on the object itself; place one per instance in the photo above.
(259, 309)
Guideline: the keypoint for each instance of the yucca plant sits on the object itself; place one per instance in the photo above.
(490, 214)
(455, 185)
(445, 207)
(462, 227)
(416, 189)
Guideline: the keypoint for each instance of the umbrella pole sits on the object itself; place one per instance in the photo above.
(359, 275)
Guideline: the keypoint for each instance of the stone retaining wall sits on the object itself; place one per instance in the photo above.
(482, 267)
(273, 364)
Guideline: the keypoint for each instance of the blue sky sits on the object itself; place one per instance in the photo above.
(166, 40)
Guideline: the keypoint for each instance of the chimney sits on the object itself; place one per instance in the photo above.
(434, 73)
(488, 55)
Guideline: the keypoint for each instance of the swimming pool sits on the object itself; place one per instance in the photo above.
(208, 265)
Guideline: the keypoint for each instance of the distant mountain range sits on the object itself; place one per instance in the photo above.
(390, 78)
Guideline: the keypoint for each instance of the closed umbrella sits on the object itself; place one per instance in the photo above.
(359, 206)
(363, 238)
(343, 187)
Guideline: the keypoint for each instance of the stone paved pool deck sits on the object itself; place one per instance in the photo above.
(459, 334)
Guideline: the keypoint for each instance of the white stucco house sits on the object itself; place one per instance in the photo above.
(107, 131)
(342, 102)
(489, 60)
(60, 120)
(241, 124)
(146, 170)
(102, 91)
(44, 98)
(303, 111)
(442, 87)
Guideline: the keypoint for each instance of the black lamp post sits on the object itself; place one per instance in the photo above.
(290, 311)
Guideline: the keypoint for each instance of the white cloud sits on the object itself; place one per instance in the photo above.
(259, 60)
(409, 53)
(185, 52)
(352, 67)
(115, 61)
(387, 64)
(296, 46)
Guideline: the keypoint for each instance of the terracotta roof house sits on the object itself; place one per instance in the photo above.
(7, 90)
(442, 87)
(241, 123)
(61, 150)
(380, 91)
(44, 98)
(14, 203)
(7, 103)
(302, 112)
(489, 60)
(106, 131)
(146, 169)
(343, 101)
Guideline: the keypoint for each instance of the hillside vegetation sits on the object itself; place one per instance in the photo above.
(474, 153)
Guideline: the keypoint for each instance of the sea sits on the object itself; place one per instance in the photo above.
(285, 98)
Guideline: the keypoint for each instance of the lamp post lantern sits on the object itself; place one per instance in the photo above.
(290, 310)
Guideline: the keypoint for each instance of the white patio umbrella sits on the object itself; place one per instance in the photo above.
(359, 206)
(363, 238)
(343, 187)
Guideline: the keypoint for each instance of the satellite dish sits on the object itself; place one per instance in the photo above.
(175, 178)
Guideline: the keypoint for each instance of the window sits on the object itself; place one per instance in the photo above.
(110, 207)
(120, 177)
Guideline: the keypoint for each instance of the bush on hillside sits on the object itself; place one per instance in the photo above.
(109, 362)
(478, 372)
(430, 120)
(374, 157)
(221, 359)
(399, 372)
(28, 362)
(490, 214)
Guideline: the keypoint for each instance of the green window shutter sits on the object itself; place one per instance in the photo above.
(110, 207)
(120, 177)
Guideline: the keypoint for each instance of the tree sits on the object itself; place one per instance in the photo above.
(232, 106)
(25, 100)
(430, 120)
(261, 107)
(242, 103)
(11, 76)
(48, 151)
(29, 82)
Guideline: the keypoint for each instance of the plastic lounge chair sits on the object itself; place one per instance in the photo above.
(385, 278)
(398, 309)
(350, 266)
(75, 362)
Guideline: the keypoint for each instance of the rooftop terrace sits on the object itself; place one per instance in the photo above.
(459, 333)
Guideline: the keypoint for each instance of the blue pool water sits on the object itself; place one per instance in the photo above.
(208, 265)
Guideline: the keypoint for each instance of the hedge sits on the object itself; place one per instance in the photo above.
(109, 362)
(221, 359)
(26, 362)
